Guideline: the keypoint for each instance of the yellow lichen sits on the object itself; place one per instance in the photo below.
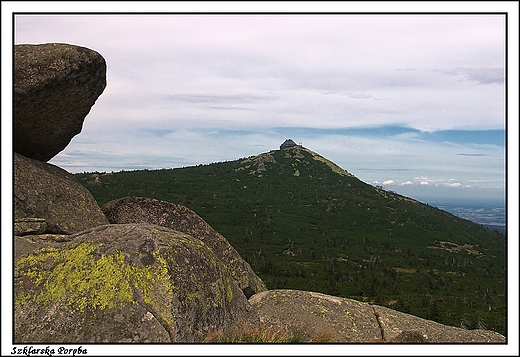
(322, 309)
(75, 277)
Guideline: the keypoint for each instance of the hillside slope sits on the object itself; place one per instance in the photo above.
(304, 223)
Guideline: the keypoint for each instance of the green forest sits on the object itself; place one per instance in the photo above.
(303, 223)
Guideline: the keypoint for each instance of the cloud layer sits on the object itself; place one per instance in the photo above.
(428, 72)
(406, 101)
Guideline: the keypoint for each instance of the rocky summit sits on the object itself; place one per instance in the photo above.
(145, 270)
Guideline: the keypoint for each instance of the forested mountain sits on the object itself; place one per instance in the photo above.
(304, 223)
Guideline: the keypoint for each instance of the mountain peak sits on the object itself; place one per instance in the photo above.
(297, 153)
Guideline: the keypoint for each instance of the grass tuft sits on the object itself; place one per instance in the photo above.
(264, 333)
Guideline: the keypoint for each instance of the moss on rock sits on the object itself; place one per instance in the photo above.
(110, 281)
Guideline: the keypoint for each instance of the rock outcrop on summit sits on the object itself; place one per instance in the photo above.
(55, 86)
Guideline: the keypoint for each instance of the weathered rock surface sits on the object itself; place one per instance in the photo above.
(183, 219)
(319, 317)
(398, 326)
(55, 86)
(123, 283)
(48, 199)
(30, 225)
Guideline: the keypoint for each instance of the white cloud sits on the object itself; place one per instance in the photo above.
(388, 182)
(407, 183)
(424, 183)
(454, 184)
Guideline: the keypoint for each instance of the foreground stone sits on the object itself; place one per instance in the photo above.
(317, 317)
(55, 86)
(183, 219)
(398, 326)
(323, 318)
(123, 283)
(48, 199)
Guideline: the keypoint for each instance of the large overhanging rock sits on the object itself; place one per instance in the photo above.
(55, 86)
(124, 283)
(48, 199)
(181, 218)
(324, 318)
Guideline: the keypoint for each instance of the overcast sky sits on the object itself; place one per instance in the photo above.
(414, 103)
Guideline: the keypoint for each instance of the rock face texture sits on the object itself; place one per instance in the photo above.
(124, 283)
(320, 317)
(55, 86)
(398, 326)
(180, 218)
(48, 199)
